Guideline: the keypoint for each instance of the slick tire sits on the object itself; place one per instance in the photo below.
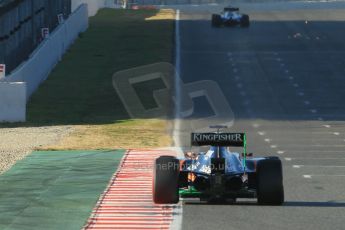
(216, 20)
(165, 188)
(270, 189)
(245, 21)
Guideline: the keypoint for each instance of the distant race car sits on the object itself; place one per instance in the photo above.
(218, 175)
(230, 17)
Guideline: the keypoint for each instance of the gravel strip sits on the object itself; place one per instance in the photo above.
(16, 143)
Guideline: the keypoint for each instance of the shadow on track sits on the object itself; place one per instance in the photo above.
(328, 204)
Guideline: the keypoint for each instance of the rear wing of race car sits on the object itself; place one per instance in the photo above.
(219, 139)
(222, 139)
(229, 8)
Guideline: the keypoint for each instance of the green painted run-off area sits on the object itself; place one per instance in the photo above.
(55, 190)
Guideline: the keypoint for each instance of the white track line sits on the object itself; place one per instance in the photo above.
(177, 123)
(177, 221)
(255, 125)
(177, 64)
(314, 158)
(318, 166)
(307, 176)
(322, 175)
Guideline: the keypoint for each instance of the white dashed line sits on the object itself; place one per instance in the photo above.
(235, 70)
(287, 159)
(286, 71)
(307, 102)
(237, 77)
(313, 111)
(261, 133)
(291, 77)
(280, 152)
(243, 93)
(326, 126)
(336, 133)
(319, 166)
(273, 146)
(300, 94)
(315, 158)
(267, 140)
(239, 85)
(320, 118)
(256, 125)
(295, 85)
(323, 175)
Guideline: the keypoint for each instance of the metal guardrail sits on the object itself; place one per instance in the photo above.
(21, 23)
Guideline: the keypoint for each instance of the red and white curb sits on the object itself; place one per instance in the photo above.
(127, 201)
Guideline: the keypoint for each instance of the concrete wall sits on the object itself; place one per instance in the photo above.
(179, 2)
(37, 68)
(93, 5)
(12, 101)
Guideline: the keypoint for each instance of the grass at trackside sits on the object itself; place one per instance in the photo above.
(124, 135)
(55, 189)
(79, 91)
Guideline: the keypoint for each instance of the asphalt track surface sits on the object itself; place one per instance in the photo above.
(284, 79)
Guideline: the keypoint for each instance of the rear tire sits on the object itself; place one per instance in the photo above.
(216, 20)
(270, 189)
(245, 21)
(165, 187)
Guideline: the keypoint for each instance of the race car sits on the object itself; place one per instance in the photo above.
(218, 175)
(230, 17)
